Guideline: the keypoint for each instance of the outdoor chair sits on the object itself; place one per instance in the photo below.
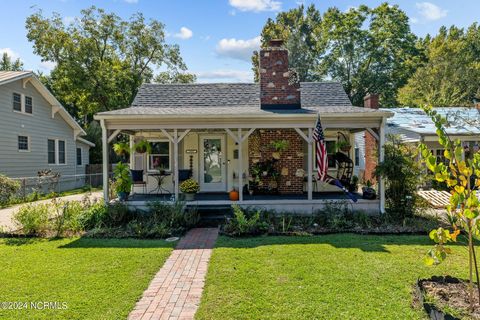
(137, 179)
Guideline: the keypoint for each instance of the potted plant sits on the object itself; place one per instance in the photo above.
(368, 192)
(121, 148)
(343, 146)
(279, 146)
(123, 180)
(353, 187)
(189, 187)
(142, 146)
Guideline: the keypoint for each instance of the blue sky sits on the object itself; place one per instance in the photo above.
(215, 37)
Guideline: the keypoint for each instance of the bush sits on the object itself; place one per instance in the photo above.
(173, 216)
(245, 224)
(402, 175)
(33, 219)
(8, 188)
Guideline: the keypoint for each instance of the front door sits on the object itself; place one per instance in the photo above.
(212, 163)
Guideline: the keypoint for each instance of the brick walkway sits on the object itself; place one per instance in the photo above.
(176, 289)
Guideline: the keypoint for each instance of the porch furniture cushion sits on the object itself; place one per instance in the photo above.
(137, 176)
(184, 174)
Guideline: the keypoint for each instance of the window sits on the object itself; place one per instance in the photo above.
(439, 153)
(28, 105)
(79, 156)
(17, 102)
(160, 156)
(357, 156)
(51, 151)
(23, 143)
(330, 145)
(61, 152)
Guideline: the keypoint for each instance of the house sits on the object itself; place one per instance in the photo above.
(412, 125)
(224, 135)
(37, 133)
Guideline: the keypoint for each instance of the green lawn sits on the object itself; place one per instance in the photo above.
(338, 276)
(96, 278)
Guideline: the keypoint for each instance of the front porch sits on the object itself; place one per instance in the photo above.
(221, 154)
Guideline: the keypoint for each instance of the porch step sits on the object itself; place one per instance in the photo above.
(213, 215)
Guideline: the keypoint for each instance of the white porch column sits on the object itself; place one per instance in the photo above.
(240, 165)
(381, 157)
(310, 165)
(105, 161)
(175, 162)
(132, 153)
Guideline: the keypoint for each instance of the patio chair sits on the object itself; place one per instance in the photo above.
(184, 174)
(137, 179)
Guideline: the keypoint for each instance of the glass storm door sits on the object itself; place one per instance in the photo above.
(212, 163)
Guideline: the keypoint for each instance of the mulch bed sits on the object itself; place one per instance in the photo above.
(447, 298)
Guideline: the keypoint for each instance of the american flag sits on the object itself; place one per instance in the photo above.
(321, 151)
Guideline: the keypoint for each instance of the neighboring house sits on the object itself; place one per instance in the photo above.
(37, 133)
(413, 126)
(222, 133)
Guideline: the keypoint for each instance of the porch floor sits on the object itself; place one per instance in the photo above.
(246, 197)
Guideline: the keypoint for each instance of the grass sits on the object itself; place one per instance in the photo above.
(44, 196)
(341, 276)
(96, 278)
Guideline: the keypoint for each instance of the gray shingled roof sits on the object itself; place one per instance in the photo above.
(232, 99)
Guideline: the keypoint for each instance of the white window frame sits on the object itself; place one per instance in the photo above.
(157, 154)
(81, 156)
(315, 168)
(28, 143)
(25, 104)
(57, 152)
(22, 104)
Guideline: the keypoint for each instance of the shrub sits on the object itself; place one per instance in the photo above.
(8, 188)
(189, 186)
(402, 175)
(241, 224)
(174, 216)
(33, 219)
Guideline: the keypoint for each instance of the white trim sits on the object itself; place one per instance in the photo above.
(57, 152)
(28, 143)
(113, 135)
(88, 143)
(148, 169)
(105, 177)
(207, 187)
(76, 156)
(373, 133)
(381, 158)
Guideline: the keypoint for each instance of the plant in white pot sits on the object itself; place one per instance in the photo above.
(189, 187)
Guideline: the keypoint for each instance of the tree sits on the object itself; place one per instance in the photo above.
(299, 28)
(461, 175)
(101, 60)
(451, 75)
(369, 50)
(175, 77)
(6, 63)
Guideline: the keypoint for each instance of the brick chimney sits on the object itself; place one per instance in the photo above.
(276, 89)
(370, 101)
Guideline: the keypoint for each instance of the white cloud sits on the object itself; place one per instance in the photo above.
(256, 5)
(12, 54)
(131, 1)
(238, 49)
(430, 11)
(184, 33)
(225, 76)
(69, 19)
(47, 65)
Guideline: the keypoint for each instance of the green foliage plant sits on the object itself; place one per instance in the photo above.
(122, 177)
(189, 186)
(8, 189)
(462, 178)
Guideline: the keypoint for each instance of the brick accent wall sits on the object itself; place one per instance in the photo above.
(275, 86)
(371, 144)
(291, 162)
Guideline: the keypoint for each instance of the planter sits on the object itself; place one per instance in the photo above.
(123, 196)
(448, 291)
(368, 193)
(189, 196)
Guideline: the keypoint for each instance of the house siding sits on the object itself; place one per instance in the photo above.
(39, 127)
